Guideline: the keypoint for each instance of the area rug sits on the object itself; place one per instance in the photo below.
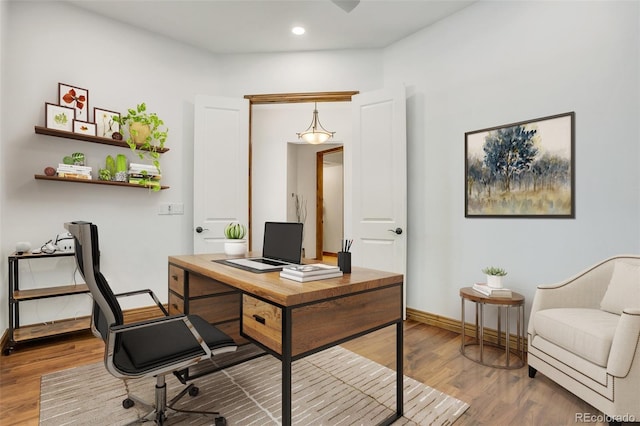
(332, 387)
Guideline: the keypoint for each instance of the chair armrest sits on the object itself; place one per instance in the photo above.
(584, 290)
(150, 293)
(626, 344)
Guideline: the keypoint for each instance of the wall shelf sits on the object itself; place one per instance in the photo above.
(95, 182)
(87, 138)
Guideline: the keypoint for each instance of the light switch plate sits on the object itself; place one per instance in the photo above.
(176, 208)
(171, 208)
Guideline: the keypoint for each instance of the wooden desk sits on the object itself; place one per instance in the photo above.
(291, 320)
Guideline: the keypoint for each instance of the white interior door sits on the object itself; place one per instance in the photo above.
(379, 181)
(220, 169)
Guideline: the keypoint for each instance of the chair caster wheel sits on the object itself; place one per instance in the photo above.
(194, 391)
(221, 421)
(128, 403)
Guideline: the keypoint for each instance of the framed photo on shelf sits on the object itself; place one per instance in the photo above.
(105, 125)
(521, 170)
(58, 117)
(84, 127)
(76, 98)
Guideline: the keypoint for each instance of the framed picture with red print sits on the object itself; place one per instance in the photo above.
(84, 127)
(76, 98)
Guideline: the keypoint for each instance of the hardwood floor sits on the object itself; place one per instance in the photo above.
(496, 396)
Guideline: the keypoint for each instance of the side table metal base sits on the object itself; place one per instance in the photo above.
(515, 301)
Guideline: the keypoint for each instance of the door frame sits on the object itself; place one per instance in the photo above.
(320, 197)
(284, 98)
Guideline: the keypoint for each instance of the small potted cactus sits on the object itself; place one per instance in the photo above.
(121, 168)
(235, 244)
(494, 276)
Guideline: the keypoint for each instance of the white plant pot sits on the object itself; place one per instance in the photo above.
(235, 247)
(494, 281)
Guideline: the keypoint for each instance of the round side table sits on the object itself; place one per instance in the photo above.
(515, 301)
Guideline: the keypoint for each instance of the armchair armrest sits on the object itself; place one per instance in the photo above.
(150, 293)
(626, 344)
(584, 290)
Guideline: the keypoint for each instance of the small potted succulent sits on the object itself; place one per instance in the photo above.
(494, 276)
(235, 244)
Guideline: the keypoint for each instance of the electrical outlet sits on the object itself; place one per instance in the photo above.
(164, 208)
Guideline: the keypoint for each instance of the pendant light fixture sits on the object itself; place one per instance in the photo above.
(315, 133)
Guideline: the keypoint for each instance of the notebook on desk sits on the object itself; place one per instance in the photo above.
(282, 245)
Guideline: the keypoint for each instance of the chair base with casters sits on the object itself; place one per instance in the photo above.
(151, 348)
(160, 415)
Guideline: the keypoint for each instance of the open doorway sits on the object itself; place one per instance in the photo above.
(329, 202)
(273, 185)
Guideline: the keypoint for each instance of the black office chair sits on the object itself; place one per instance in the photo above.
(156, 347)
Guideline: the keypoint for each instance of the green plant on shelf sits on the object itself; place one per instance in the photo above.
(147, 133)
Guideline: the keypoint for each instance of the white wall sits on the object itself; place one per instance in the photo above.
(120, 67)
(333, 71)
(496, 63)
(4, 35)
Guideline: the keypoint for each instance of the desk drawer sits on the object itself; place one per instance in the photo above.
(176, 279)
(263, 322)
(176, 304)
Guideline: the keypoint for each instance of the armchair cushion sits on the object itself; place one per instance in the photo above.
(587, 333)
(623, 290)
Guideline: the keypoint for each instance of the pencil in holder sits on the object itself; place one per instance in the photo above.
(344, 261)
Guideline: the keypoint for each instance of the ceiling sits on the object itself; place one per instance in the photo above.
(264, 26)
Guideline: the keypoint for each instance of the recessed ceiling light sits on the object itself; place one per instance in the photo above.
(297, 30)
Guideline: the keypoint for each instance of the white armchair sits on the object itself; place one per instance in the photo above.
(584, 334)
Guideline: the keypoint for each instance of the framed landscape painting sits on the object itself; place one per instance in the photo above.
(522, 170)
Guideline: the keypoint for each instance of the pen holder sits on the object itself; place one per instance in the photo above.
(344, 261)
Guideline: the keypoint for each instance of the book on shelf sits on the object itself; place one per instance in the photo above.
(302, 279)
(74, 175)
(145, 182)
(310, 270)
(73, 171)
(148, 169)
(491, 291)
(142, 176)
(74, 168)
